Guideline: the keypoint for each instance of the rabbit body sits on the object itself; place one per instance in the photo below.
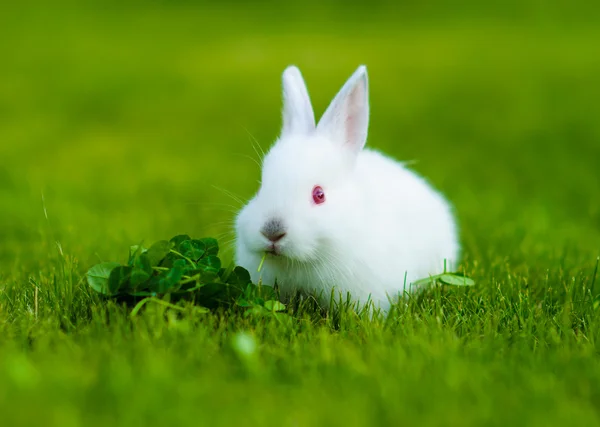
(332, 215)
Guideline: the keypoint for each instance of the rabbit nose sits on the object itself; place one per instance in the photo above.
(274, 237)
(273, 230)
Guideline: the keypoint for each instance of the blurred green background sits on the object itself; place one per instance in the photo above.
(127, 115)
(130, 121)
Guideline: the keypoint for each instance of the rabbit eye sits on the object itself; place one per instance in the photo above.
(318, 195)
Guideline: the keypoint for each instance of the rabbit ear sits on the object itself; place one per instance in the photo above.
(298, 116)
(346, 120)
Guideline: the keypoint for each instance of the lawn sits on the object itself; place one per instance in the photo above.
(122, 123)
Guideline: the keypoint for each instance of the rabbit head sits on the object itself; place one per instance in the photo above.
(307, 179)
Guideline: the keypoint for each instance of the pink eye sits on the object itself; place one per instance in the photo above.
(318, 195)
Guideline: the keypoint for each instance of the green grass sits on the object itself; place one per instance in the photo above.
(122, 123)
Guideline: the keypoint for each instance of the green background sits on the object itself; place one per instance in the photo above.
(130, 121)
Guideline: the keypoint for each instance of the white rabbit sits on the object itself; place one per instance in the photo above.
(332, 214)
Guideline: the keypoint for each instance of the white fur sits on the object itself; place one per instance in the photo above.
(379, 222)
